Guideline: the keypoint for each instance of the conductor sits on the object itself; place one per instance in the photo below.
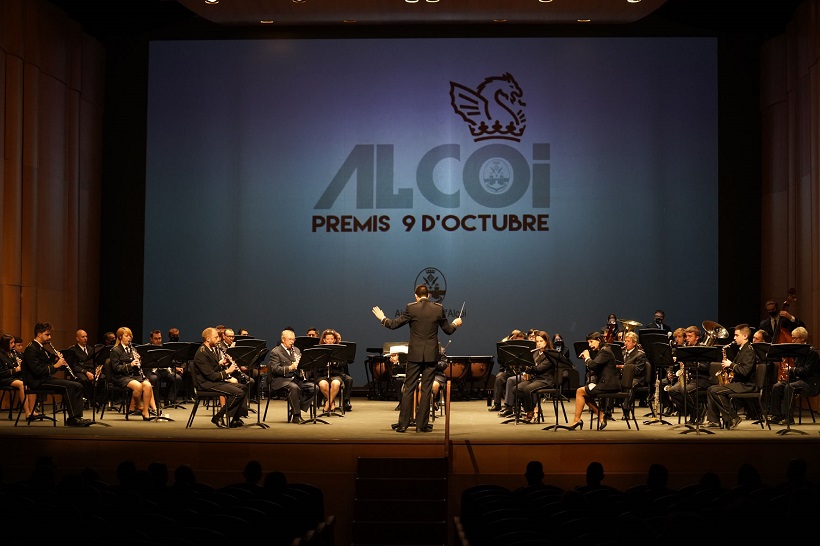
(425, 318)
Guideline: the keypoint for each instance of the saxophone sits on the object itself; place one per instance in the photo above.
(725, 375)
(656, 400)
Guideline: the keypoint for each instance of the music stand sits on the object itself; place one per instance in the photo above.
(314, 358)
(71, 360)
(341, 353)
(659, 354)
(377, 357)
(779, 351)
(561, 363)
(305, 342)
(184, 352)
(519, 357)
(157, 358)
(695, 354)
(101, 354)
(248, 356)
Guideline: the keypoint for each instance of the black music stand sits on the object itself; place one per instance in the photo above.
(305, 342)
(695, 354)
(248, 356)
(155, 357)
(561, 363)
(659, 354)
(313, 359)
(779, 351)
(101, 354)
(339, 352)
(184, 352)
(519, 357)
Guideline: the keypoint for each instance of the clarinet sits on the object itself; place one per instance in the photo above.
(137, 362)
(59, 356)
(243, 378)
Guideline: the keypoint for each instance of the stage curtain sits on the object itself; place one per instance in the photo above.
(52, 81)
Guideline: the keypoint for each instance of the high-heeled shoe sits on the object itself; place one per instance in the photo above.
(602, 424)
(576, 425)
(146, 418)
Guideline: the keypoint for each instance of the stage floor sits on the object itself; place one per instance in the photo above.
(480, 449)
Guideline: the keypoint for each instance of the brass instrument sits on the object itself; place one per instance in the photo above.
(714, 332)
(630, 325)
(59, 356)
(725, 375)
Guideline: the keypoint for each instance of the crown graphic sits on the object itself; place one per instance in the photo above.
(494, 110)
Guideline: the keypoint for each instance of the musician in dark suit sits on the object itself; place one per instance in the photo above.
(11, 373)
(126, 368)
(283, 363)
(805, 376)
(743, 368)
(778, 320)
(83, 364)
(633, 354)
(698, 379)
(38, 368)
(425, 318)
(542, 375)
(214, 375)
(603, 368)
(658, 322)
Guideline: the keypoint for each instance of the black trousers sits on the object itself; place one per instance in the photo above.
(426, 371)
(72, 393)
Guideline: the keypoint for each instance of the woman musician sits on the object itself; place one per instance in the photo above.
(11, 373)
(331, 379)
(603, 367)
(128, 374)
(541, 375)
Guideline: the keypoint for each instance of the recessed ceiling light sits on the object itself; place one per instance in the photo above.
(211, 1)
(633, 1)
(584, 20)
(266, 22)
(412, 1)
(350, 21)
(499, 20)
(545, 1)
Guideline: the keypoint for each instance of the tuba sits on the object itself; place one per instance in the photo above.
(630, 325)
(714, 332)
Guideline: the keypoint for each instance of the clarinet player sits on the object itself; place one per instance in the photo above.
(128, 374)
(39, 367)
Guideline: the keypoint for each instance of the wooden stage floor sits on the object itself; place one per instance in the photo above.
(479, 449)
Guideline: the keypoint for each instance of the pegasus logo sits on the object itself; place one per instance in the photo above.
(493, 110)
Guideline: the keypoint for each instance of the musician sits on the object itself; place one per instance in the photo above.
(38, 370)
(743, 368)
(213, 373)
(312, 332)
(241, 375)
(11, 373)
(603, 367)
(611, 329)
(501, 378)
(671, 379)
(658, 321)
(542, 375)
(173, 335)
(172, 375)
(109, 339)
(698, 379)
(425, 318)
(332, 373)
(634, 354)
(127, 369)
(778, 320)
(348, 380)
(283, 366)
(804, 376)
(84, 366)
(760, 336)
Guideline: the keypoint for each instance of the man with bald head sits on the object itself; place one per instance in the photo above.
(213, 373)
(83, 364)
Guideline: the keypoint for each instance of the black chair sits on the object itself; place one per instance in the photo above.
(42, 394)
(799, 397)
(12, 391)
(116, 396)
(625, 395)
(756, 395)
(646, 390)
(209, 397)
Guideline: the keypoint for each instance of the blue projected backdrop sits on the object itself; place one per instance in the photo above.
(540, 182)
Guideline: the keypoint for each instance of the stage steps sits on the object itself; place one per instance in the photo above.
(400, 501)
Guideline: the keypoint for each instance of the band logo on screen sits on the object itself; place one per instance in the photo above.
(435, 282)
(494, 176)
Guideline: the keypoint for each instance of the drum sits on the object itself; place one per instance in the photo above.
(380, 367)
(457, 367)
(480, 367)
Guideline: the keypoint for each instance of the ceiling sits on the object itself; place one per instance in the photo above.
(126, 19)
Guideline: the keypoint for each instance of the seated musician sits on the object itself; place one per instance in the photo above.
(213, 373)
(11, 373)
(698, 379)
(240, 375)
(542, 375)
(803, 377)
(126, 366)
(38, 370)
(501, 379)
(284, 370)
(602, 367)
(347, 380)
(84, 366)
(331, 378)
(743, 380)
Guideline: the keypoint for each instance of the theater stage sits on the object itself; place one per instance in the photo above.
(479, 449)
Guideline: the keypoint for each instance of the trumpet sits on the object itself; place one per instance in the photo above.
(59, 356)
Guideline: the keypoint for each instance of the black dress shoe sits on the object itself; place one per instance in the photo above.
(236, 423)
(77, 422)
(506, 413)
(217, 421)
(298, 420)
(401, 429)
(348, 406)
(428, 428)
(494, 407)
